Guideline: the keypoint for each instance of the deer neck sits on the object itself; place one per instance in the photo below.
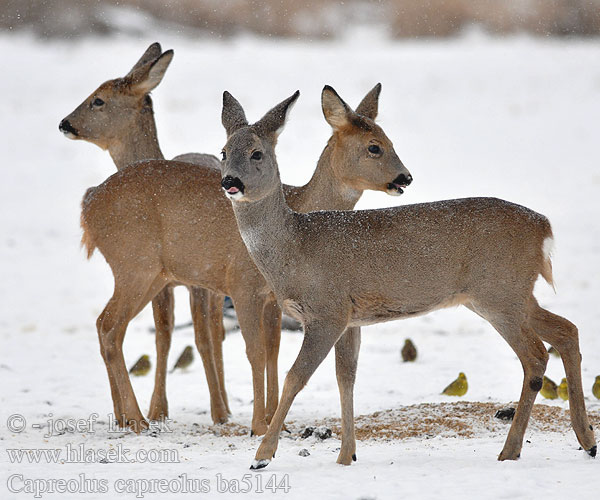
(140, 143)
(265, 226)
(326, 190)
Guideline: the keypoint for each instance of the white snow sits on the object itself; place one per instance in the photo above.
(514, 118)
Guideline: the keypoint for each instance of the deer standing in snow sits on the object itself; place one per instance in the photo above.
(338, 270)
(118, 117)
(160, 223)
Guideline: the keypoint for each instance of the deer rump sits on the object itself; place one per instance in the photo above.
(149, 211)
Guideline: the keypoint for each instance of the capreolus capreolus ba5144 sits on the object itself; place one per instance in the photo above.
(333, 270)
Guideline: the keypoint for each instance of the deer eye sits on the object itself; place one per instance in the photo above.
(374, 149)
(97, 102)
(223, 155)
(257, 155)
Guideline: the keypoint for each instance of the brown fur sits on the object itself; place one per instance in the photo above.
(546, 272)
(87, 241)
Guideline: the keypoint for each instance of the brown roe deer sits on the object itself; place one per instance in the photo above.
(159, 223)
(118, 117)
(335, 270)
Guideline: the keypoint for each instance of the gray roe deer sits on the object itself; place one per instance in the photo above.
(118, 117)
(159, 223)
(336, 270)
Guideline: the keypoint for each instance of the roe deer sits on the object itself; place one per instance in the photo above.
(118, 116)
(163, 222)
(333, 270)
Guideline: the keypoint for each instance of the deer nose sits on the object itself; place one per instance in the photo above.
(403, 180)
(232, 184)
(66, 128)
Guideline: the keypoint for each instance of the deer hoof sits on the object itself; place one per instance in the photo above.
(138, 425)
(346, 459)
(260, 464)
(158, 415)
(220, 419)
(259, 429)
(508, 456)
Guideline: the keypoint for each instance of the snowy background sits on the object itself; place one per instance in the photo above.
(515, 118)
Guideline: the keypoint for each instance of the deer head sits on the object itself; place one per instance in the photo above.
(112, 110)
(249, 166)
(361, 146)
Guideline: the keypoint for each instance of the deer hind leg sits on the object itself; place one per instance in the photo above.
(531, 352)
(346, 361)
(199, 303)
(119, 409)
(563, 335)
(217, 333)
(319, 338)
(271, 329)
(128, 299)
(162, 308)
(111, 325)
(249, 310)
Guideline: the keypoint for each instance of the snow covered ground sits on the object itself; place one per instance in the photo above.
(515, 118)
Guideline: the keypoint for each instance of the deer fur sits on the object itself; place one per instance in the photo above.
(160, 223)
(124, 125)
(334, 270)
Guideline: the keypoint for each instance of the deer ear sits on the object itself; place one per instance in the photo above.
(232, 116)
(152, 53)
(370, 104)
(274, 120)
(336, 111)
(147, 77)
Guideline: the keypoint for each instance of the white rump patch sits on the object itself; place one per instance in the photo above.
(548, 247)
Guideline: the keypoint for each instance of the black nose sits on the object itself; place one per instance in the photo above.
(229, 182)
(403, 180)
(65, 127)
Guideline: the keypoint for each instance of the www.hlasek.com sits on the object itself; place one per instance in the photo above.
(248, 483)
(84, 455)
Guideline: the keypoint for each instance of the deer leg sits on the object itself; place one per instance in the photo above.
(271, 329)
(346, 361)
(318, 341)
(563, 335)
(124, 305)
(533, 356)
(119, 411)
(112, 324)
(249, 311)
(199, 303)
(162, 308)
(217, 332)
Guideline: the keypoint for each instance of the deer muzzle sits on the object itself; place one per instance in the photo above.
(233, 187)
(66, 128)
(395, 188)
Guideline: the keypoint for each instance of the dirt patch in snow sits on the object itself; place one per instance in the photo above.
(464, 419)
(225, 430)
(461, 419)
